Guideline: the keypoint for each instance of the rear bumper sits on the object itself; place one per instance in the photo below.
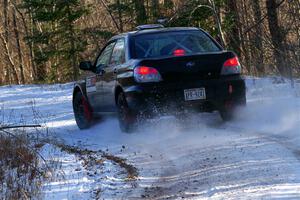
(169, 97)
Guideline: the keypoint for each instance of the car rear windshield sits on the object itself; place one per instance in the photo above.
(179, 43)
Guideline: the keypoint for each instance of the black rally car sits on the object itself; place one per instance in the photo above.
(156, 70)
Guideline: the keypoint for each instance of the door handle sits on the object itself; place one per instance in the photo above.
(115, 70)
(101, 72)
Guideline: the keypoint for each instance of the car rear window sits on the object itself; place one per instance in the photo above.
(173, 44)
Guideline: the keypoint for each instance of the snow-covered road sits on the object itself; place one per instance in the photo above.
(257, 156)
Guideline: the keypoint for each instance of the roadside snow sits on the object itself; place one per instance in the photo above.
(69, 180)
(256, 156)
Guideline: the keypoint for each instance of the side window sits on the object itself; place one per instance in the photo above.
(103, 59)
(118, 54)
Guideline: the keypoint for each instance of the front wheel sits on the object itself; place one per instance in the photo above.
(82, 111)
(127, 117)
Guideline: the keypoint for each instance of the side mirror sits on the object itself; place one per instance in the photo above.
(85, 65)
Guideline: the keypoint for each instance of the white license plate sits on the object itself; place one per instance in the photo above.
(194, 94)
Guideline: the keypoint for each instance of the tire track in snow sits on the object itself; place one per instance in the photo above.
(198, 177)
(279, 139)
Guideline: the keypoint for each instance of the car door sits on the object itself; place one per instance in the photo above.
(94, 83)
(109, 75)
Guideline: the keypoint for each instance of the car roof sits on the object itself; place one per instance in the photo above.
(155, 30)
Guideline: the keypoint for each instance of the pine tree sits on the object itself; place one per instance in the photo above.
(57, 41)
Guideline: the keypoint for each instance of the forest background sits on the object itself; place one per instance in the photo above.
(43, 41)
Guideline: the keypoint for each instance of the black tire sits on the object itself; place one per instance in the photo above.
(127, 118)
(82, 111)
(227, 114)
(228, 111)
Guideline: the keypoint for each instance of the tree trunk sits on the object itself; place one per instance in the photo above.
(5, 26)
(28, 33)
(218, 22)
(141, 16)
(155, 10)
(10, 62)
(5, 40)
(234, 40)
(73, 50)
(244, 41)
(37, 51)
(31, 46)
(120, 16)
(258, 55)
(18, 47)
(277, 37)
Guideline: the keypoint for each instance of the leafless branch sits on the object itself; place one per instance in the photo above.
(19, 126)
(111, 15)
(261, 20)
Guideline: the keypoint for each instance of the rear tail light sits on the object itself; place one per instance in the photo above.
(231, 66)
(179, 52)
(144, 74)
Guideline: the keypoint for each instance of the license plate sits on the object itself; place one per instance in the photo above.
(194, 94)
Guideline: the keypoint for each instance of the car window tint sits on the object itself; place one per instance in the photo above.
(118, 54)
(164, 44)
(103, 59)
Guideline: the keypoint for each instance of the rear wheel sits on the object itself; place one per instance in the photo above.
(127, 118)
(229, 109)
(227, 114)
(82, 111)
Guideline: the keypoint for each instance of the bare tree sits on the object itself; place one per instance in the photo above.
(10, 66)
(9, 58)
(257, 53)
(17, 37)
(265, 33)
(234, 36)
(277, 36)
(211, 5)
(27, 23)
(111, 15)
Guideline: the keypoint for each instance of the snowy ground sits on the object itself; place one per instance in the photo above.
(257, 156)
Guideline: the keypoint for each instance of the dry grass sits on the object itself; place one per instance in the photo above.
(20, 175)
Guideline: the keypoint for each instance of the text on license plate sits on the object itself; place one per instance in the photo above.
(194, 94)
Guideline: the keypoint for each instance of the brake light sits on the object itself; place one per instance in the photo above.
(231, 66)
(179, 52)
(145, 74)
